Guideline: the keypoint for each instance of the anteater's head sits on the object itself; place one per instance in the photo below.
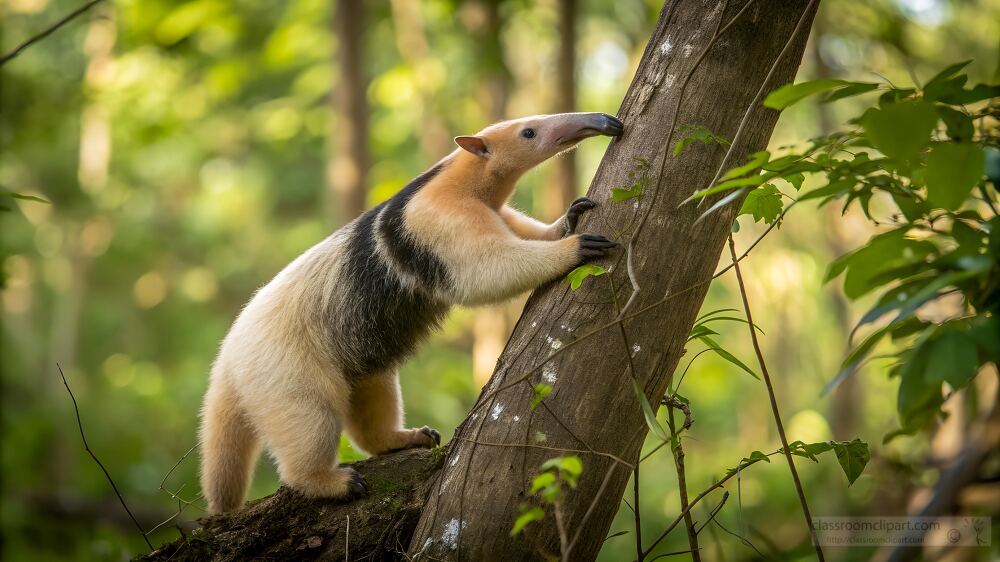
(514, 147)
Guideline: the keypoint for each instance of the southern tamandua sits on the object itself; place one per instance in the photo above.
(316, 351)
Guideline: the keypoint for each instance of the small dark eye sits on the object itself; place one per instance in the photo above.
(528, 133)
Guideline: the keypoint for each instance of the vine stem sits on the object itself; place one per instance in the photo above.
(86, 447)
(774, 403)
(48, 31)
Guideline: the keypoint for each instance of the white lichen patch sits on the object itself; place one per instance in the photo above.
(549, 373)
(635, 348)
(497, 410)
(450, 535)
(555, 343)
(671, 78)
(688, 49)
(666, 47)
(517, 418)
(533, 324)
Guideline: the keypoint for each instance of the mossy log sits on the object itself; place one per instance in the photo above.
(289, 526)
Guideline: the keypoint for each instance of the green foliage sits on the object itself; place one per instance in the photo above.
(582, 272)
(541, 390)
(648, 413)
(548, 487)
(639, 178)
(790, 94)
(697, 133)
(528, 515)
(763, 204)
(926, 151)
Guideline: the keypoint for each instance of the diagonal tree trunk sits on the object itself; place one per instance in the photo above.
(592, 406)
(704, 65)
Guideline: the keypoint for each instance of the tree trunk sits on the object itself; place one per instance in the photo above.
(474, 495)
(592, 406)
(347, 171)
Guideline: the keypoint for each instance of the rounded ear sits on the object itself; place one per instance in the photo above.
(475, 145)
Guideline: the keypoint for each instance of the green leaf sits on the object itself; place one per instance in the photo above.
(959, 124)
(619, 194)
(953, 359)
(791, 93)
(649, 413)
(714, 346)
(569, 466)
(947, 73)
(900, 130)
(764, 203)
(853, 89)
(977, 93)
(953, 169)
(697, 133)
(757, 160)
(527, 516)
(541, 391)
(543, 480)
(853, 457)
(24, 197)
(577, 276)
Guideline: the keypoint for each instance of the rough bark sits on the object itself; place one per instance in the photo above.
(289, 526)
(474, 497)
(592, 405)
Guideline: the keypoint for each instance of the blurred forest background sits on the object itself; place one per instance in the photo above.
(191, 149)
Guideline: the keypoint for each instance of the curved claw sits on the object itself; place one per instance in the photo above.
(576, 209)
(432, 433)
(595, 246)
(356, 483)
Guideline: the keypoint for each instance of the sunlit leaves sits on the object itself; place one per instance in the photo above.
(953, 169)
(577, 276)
(952, 359)
(541, 390)
(763, 203)
(649, 413)
(528, 515)
(900, 130)
(853, 456)
(790, 94)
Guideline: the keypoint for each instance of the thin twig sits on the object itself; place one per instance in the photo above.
(678, 455)
(590, 509)
(774, 403)
(51, 29)
(86, 447)
(715, 512)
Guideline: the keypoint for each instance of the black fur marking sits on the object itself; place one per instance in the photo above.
(406, 253)
(381, 321)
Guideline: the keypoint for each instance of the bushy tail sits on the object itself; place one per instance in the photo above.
(229, 449)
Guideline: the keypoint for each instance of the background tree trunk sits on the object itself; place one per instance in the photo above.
(473, 496)
(347, 171)
(485, 478)
(563, 191)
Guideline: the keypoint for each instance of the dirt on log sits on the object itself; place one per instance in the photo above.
(289, 526)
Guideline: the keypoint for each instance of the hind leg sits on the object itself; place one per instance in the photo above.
(229, 449)
(375, 417)
(304, 438)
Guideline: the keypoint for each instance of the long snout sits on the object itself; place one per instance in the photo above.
(573, 127)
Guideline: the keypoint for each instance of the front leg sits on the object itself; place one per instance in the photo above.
(531, 229)
(494, 268)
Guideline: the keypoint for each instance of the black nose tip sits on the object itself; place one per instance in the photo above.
(613, 126)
